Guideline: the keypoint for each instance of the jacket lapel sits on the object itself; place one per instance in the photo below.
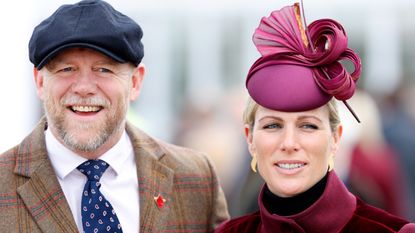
(40, 191)
(155, 181)
(46, 202)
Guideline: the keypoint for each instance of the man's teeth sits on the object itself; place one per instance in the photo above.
(290, 165)
(85, 108)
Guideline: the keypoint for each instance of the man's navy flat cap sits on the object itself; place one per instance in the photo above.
(92, 24)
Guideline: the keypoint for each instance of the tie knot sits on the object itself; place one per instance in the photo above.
(93, 169)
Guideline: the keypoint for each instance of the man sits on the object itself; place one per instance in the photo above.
(84, 168)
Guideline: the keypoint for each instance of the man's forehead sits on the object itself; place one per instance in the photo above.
(75, 54)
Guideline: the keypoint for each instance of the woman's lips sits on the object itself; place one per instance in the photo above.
(290, 167)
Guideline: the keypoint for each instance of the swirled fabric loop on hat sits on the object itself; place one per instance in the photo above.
(280, 40)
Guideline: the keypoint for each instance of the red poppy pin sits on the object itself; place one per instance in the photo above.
(160, 201)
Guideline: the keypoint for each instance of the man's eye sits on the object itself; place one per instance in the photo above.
(104, 70)
(66, 69)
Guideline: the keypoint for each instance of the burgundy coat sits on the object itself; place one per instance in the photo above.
(336, 211)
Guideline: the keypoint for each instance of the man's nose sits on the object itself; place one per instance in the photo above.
(84, 84)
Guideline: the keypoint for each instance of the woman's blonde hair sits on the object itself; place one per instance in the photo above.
(251, 107)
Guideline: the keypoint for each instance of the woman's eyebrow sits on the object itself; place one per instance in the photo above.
(309, 116)
(270, 117)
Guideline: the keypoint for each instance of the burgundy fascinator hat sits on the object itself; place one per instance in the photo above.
(299, 68)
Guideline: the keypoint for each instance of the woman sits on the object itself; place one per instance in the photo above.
(293, 131)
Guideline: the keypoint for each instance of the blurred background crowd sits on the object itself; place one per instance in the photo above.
(197, 54)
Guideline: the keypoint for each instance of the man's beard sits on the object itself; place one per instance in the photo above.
(69, 133)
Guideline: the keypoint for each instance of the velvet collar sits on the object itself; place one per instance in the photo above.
(329, 213)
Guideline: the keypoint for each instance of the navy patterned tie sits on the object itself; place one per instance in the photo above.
(97, 213)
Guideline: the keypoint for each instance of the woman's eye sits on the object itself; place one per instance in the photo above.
(309, 126)
(272, 126)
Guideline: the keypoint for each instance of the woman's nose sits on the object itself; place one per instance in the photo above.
(289, 142)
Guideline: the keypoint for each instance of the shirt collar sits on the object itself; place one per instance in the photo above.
(64, 161)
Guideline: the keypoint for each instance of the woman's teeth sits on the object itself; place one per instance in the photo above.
(290, 165)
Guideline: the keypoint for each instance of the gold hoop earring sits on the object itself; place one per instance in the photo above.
(253, 163)
(331, 163)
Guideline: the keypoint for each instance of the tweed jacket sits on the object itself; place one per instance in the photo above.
(31, 199)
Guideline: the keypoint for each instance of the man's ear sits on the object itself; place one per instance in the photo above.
(137, 81)
(39, 81)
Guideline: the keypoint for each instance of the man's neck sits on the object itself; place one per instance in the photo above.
(112, 140)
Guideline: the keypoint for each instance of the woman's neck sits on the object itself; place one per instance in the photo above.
(286, 206)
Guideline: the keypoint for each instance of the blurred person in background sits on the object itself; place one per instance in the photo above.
(84, 168)
(216, 129)
(293, 131)
(398, 119)
(374, 172)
